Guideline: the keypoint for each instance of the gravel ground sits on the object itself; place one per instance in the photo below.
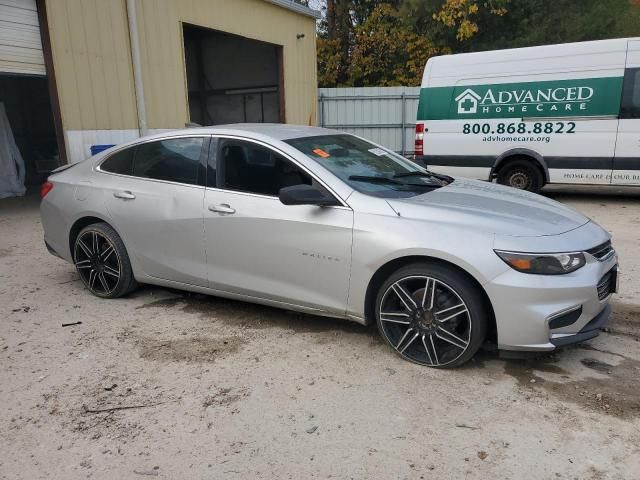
(174, 385)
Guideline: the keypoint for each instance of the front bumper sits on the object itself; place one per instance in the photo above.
(589, 331)
(542, 313)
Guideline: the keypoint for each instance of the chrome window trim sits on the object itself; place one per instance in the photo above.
(168, 182)
(96, 167)
(288, 157)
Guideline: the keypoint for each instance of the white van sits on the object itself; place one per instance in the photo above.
(566, 113)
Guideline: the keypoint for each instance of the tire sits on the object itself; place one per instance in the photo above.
(102, 262)
(445, 332)
(521, 174)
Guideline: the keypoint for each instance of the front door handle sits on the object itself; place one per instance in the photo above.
(222, 208)
(124, 195)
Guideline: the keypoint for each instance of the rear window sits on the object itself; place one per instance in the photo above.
(174, 160)
(120, 162)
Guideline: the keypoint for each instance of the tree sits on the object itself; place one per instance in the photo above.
(544, 22)
(462, 15)
(387, 42)
(386, 52)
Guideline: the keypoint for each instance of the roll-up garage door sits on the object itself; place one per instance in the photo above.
(20, 44)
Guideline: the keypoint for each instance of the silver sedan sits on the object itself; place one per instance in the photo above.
(323, 222)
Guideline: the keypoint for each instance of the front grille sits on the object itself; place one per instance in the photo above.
(607, 283)
(603, 251)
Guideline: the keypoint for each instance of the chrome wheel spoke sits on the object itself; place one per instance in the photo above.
(451, 338)
(404, 296)
(85, 248)
(92, 278)
(106, 253)
(430, 346)
(429, 294)
(452, 311)
(406, 345)
(401, 318)
(103, 281)
(84, 264)
(406, 334)
(111, 271)
(426, 349)
(94, 243)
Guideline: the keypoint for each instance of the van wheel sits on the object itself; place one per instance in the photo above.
(521, 174)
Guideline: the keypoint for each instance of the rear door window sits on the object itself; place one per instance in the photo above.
(631, 94)
(174, 160)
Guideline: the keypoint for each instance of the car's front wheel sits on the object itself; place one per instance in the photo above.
(102, 261)
(431, 314)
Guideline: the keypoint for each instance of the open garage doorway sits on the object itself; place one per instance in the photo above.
(232, 79)
(28, 110)
(29, 144)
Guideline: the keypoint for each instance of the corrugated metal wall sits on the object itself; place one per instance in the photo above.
(382, 114)
(92, 60)
(92, 63)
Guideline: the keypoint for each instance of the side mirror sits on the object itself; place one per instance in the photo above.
(306, 195)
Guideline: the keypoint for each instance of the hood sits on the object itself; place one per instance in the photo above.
(491, 208)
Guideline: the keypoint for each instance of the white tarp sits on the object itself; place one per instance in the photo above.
(12, 169)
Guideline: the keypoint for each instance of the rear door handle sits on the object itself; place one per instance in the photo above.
(124, 195)
(222, 208)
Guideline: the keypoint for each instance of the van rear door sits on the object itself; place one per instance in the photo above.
(626, 164)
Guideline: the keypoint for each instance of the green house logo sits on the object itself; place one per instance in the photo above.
(468, 102)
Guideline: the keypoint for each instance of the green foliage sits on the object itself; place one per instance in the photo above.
(386, 52)
(387, 42)
(544, 22)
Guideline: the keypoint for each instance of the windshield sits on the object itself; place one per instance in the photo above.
(368, 168)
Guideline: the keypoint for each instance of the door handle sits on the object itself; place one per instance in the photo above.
(124, 195)
(222, 208)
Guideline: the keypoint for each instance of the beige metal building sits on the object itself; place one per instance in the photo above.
(77, 73)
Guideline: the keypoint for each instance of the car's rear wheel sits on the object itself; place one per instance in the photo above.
(431, 314)
(102, 261)
(521, 174)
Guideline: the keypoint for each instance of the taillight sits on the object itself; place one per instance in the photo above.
(45, 188)
(419, 147)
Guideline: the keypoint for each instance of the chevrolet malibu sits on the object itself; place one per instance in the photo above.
(327, 223)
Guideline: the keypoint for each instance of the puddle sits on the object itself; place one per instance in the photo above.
(194, 349)
(247, 315)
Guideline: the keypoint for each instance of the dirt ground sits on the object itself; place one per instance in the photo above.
(213, 388)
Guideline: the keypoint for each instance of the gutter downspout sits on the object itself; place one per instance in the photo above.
(137, 67)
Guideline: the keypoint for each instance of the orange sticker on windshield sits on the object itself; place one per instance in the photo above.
(321, 153)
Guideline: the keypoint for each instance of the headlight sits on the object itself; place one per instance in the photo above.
(543, 263)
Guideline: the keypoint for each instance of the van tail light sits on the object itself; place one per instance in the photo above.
(419, 147)
(45, 188)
